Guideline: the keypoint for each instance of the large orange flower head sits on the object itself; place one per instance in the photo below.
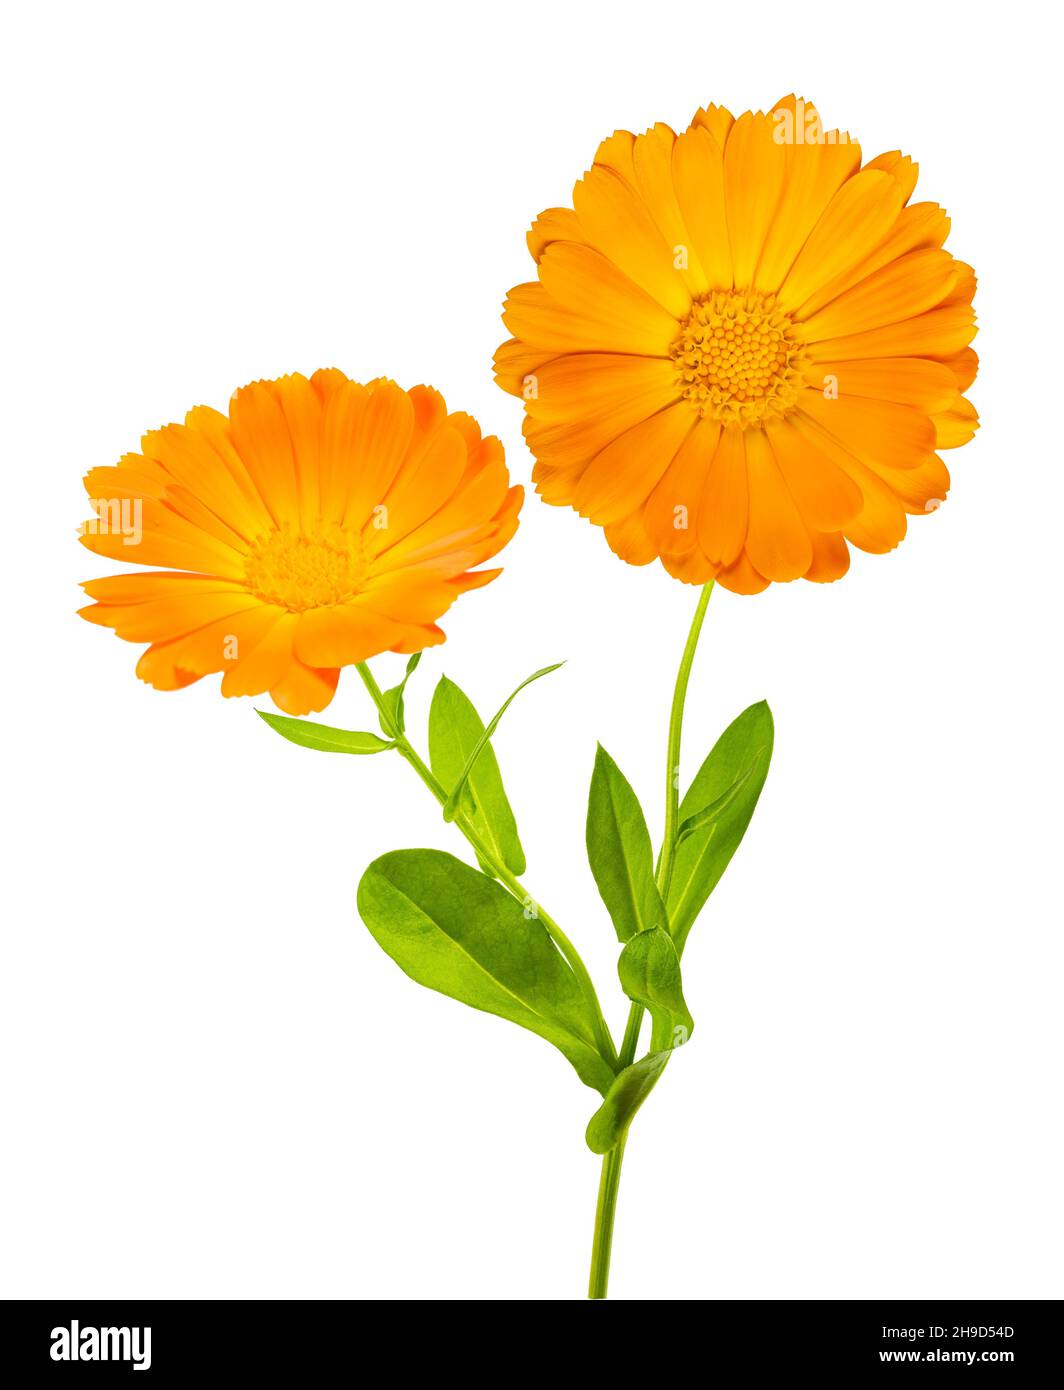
(744, 348)
(319, 523)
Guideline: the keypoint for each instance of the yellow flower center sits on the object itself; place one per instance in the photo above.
(300, 572)
(737, 358)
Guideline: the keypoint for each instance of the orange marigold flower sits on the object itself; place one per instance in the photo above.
(319, 523)
(744, 348)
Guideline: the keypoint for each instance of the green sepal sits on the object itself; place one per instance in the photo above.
(462, 934)
(323, 737)
(619, 851)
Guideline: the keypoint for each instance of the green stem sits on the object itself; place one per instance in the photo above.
(672, 762)
(663, 876)
(611, 1164)
(604, 1214)
(406, 749)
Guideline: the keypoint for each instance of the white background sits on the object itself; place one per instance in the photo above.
(213, 1082)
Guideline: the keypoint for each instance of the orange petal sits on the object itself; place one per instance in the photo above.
(920, 489)
(625, 473)
(419, 490)
(754, 165)
(742, 577)
(698, 176)
(942, 334)
(464, 518)
(831, 557)
(342, 636)
(826, 496)
(515, 364)
(924, 226)
(963, 291)
(914, 381)
(858, 216)
(260, 436)
(615, 153)
(652, 160)
(717, 120)
(900, 167)
(476, 579)
(901, 290)
(583, 385)
(964, 366)
(673, 508)
(555, 224)
(617, 222)
(301, 407)
(873, 431)
(880, 525)
(628, 539)
(382, 428)
(190, 463)
(957, 426)
(149, 585)
(416, 639)
(777, 540)
(213, 429)
(815, 171)
(147, 532)
(263, 663)
(169, 615)
(304, 689)
(213, 647)
(583, 282)
(692, 567)
(414, 595)
(620, 323)
(339, 416)
(723, 511)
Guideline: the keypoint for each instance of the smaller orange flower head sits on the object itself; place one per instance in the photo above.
(319, 523)
(744, 348)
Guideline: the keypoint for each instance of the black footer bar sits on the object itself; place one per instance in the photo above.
(176, 1342)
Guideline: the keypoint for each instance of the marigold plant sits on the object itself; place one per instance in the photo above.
(743, 351)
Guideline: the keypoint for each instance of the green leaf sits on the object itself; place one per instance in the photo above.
(650, 974)
(322, 736)
(455, 931)
(701, 820)
(619, 852)
(455, 729)
(451, 805)
(393, 699)
(716, 811)
(609, 1124)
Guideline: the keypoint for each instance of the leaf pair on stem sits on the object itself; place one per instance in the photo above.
(653, 912)
(481, 939)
